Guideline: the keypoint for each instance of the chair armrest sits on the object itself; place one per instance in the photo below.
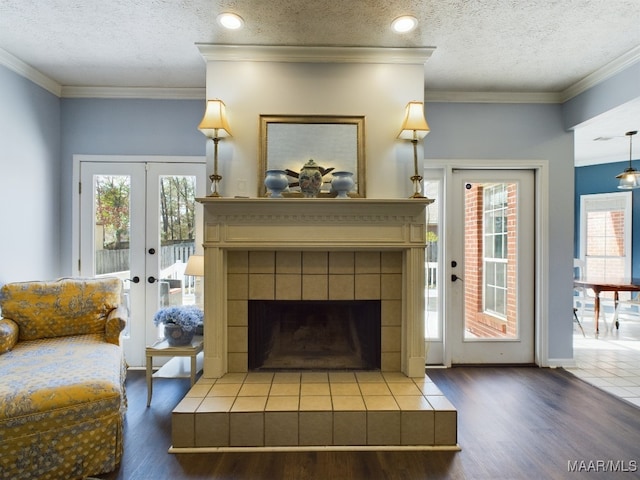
(116, 321)
(8, 334)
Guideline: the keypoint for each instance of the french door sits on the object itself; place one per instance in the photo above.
(491, 286)
(139, 221)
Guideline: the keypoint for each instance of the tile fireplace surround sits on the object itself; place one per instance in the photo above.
(314, 249)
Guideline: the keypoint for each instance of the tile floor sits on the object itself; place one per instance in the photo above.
(611, 361)
(297, 409)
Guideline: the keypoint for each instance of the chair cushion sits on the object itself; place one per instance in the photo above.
(8, 334)
(59, 308)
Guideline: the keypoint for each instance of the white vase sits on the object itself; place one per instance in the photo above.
(276, 182)
(342, 183)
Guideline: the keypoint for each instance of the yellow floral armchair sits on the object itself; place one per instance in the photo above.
(62, 372)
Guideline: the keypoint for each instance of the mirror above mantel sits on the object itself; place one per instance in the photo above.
(336, 143)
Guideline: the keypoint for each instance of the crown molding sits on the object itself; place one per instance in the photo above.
(159, 93)
(434, 96)
(600, 75)
(27, 71)
(313, 54)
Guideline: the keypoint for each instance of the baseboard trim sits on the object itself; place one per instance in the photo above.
(327, 448)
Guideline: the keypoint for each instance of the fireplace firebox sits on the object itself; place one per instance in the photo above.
(314, 335)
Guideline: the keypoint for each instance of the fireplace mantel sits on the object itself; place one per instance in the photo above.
(329, 224)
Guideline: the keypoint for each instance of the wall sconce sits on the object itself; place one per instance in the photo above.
(214, 126)
(629, 178)
(414, 127)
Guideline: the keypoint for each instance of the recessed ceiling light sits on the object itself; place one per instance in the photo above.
(404, 24)
(230, 21)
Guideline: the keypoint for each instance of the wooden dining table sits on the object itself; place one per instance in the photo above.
(607, 285)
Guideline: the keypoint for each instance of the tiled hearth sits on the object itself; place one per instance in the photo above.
(314, 409)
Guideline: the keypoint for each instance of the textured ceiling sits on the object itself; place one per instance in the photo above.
(481, 46)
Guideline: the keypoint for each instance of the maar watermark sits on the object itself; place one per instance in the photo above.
(602, 466)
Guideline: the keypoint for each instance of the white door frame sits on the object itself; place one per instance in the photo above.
(541, 188)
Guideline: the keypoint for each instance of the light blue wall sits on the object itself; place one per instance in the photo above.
(602, 179)
(123, 127)
(520, 132)
(29, 180)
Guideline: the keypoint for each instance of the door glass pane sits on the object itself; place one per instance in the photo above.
(490, 265)
(112, 202)
(177, 231)
(432, 327)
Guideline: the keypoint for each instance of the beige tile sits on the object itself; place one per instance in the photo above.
(345, 389)
(314, 377)
(315, 403)
(342, 377)
(262, 262)
(212, 430)
(390, 340)
(206, 381)
(314, 389)
(284, 389)
(369, 377)
(396, 377)
(199, 390)
(439, 402)
(215, 405)
(254, 390)
(413, 402)
(341, 262)
(259, 377)
(315, 263)
(315, 287)
(390, 362)
(391, 262)
(283, 404)
(428, 388)
(348, 403)
(349, 428)
(288, 262)
(341, 287)
(288, 287)
(286, 377)
(249, 404)
(391, 313)
(315, 428)
(383, 428)
(367, 286)
(380, 402)
(404, 389)
(237, 313)
(246, 429)
(378, 388)
(232, 378)
(237, 338)
(367, 262)
(237, 286)
(262, 286)
(237, 262)
(391, 286)
(280, 429)
(183, 429)
(445, 428)
(238, 362)
(417, 427)
(225, 389)
(188, 405)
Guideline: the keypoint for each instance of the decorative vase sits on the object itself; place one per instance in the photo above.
(342, 183)
(310, 179)
(176, 336)
(276, 182)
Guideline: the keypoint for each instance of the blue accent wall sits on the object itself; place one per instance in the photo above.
(602, 179)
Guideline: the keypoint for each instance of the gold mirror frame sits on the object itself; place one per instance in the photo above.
(332, 131)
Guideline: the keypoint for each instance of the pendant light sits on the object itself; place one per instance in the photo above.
(629, 178)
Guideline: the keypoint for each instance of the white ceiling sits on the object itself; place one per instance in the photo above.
(535, 48)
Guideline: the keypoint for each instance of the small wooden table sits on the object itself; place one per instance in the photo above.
(162, 349)
(598, 285)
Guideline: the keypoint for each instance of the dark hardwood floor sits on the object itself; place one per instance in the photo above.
(513, 423)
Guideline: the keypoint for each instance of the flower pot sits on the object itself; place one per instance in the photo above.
(176, 336)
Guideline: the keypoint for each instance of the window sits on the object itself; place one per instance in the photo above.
(605, 235)
(495, 248)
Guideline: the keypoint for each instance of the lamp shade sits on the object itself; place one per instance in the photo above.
(630, 178)
(195, 266)
(414, 124)
(214, 123)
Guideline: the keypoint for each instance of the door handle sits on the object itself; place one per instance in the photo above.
(151, 279)
(455, 277)
(135, 279)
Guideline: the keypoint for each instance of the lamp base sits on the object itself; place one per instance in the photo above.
(215, 179)
(417, 188)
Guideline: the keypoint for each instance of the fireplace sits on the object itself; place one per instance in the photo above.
(314, 335)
